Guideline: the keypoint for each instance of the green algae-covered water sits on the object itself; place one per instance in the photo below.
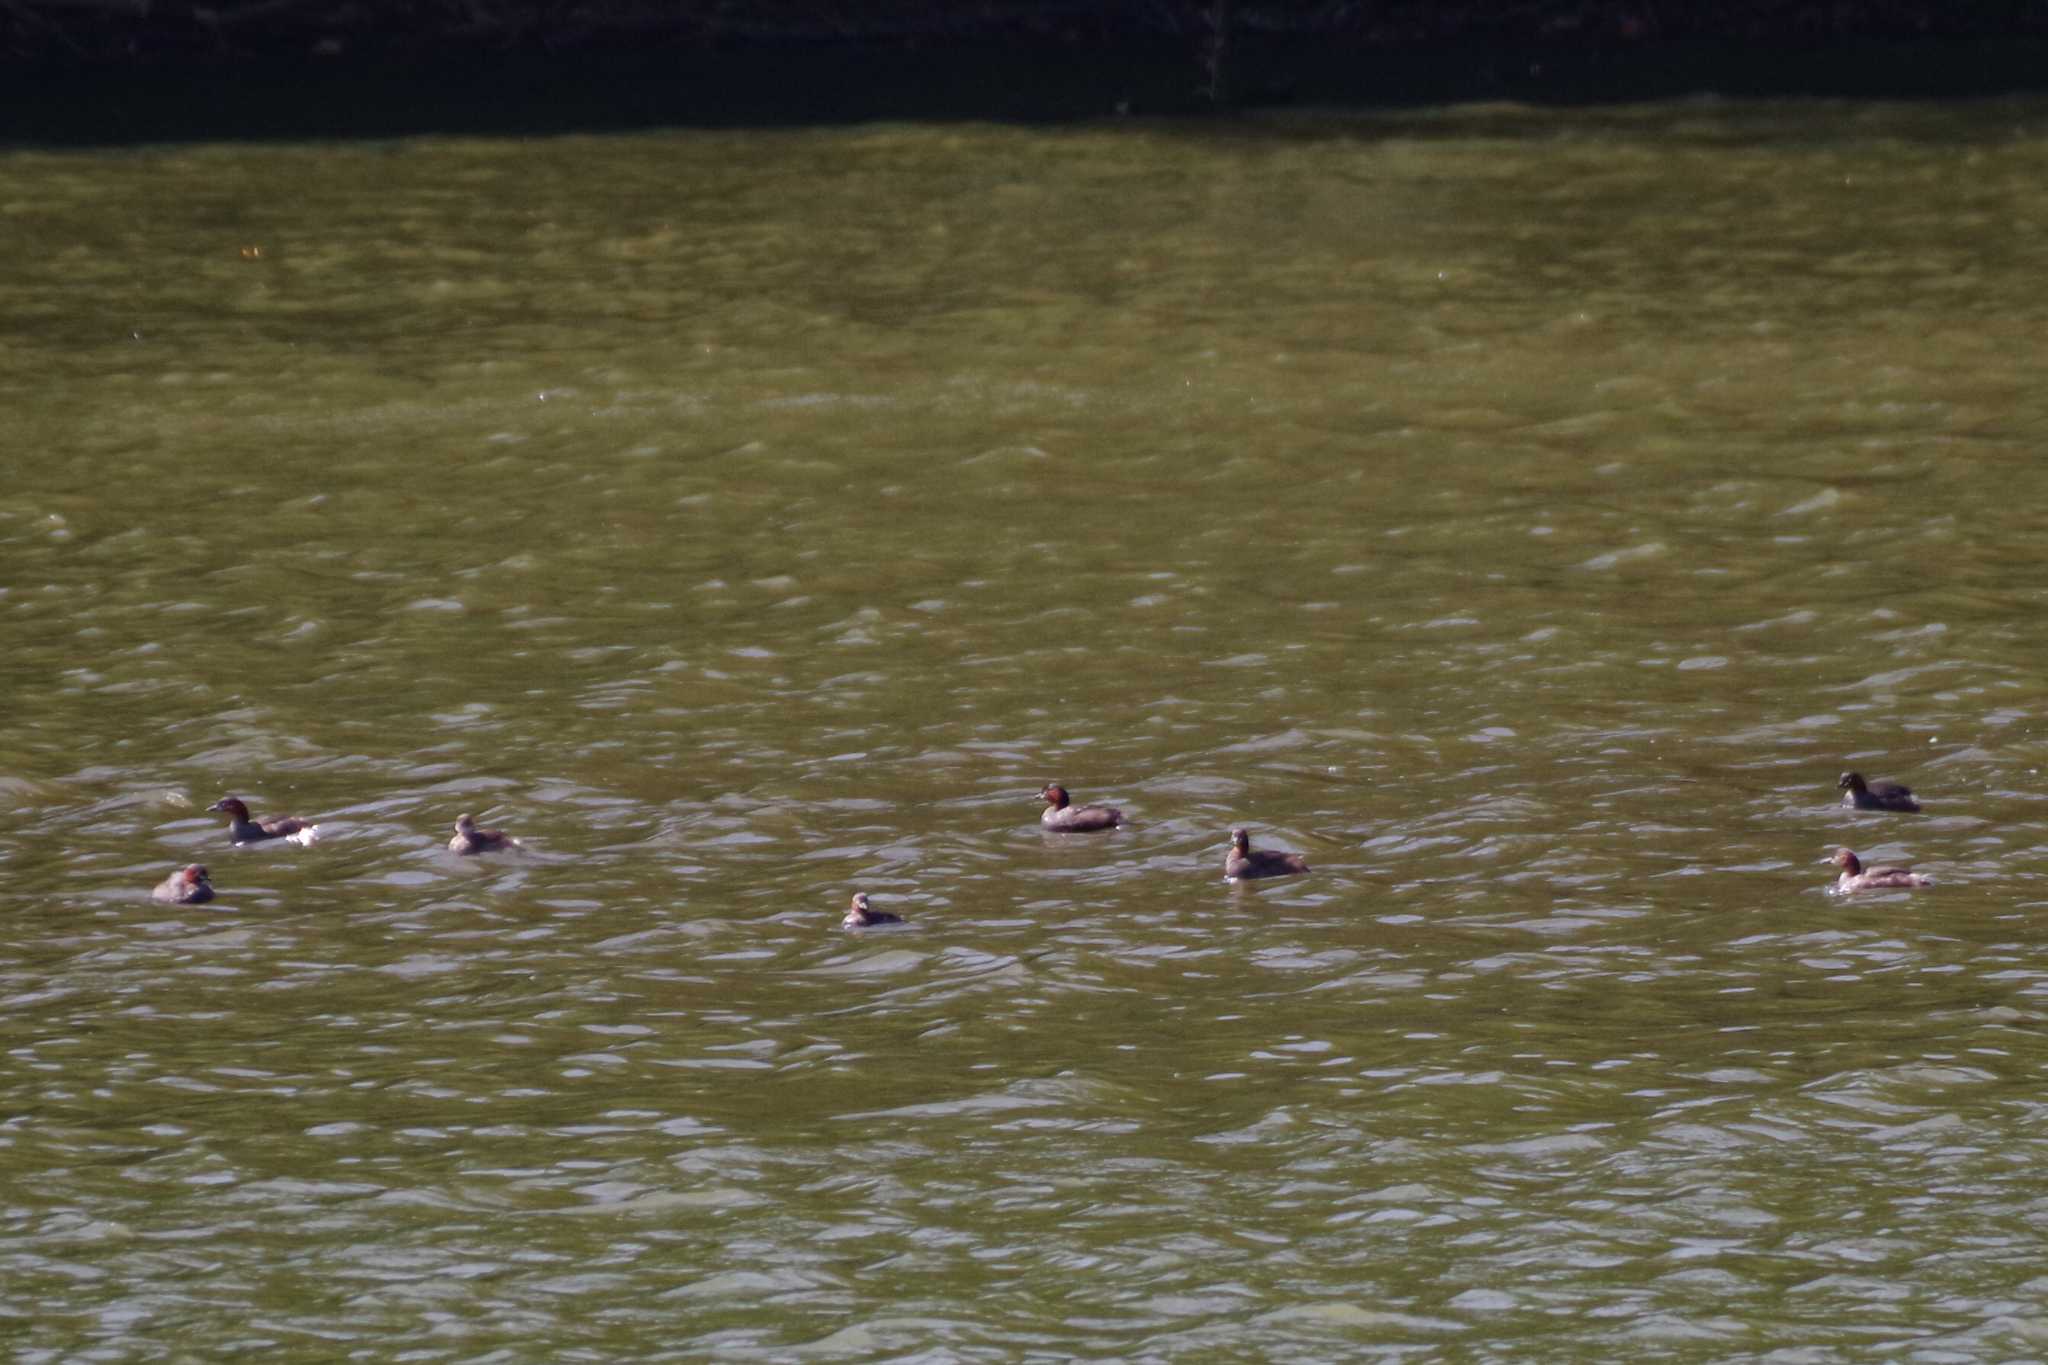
(1524, 515)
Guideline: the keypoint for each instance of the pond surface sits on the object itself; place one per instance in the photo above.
(1524, 515)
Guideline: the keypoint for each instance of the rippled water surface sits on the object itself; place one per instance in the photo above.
(1523, 515)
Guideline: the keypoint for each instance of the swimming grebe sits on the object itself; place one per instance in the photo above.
(1244, 862)
(1075, 819)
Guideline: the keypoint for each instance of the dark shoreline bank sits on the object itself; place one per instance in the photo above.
(518, 91)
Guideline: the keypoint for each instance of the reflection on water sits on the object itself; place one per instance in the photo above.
(1524, 515)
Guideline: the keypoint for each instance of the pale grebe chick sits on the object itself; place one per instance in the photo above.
(859, 916)
(469, 839)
